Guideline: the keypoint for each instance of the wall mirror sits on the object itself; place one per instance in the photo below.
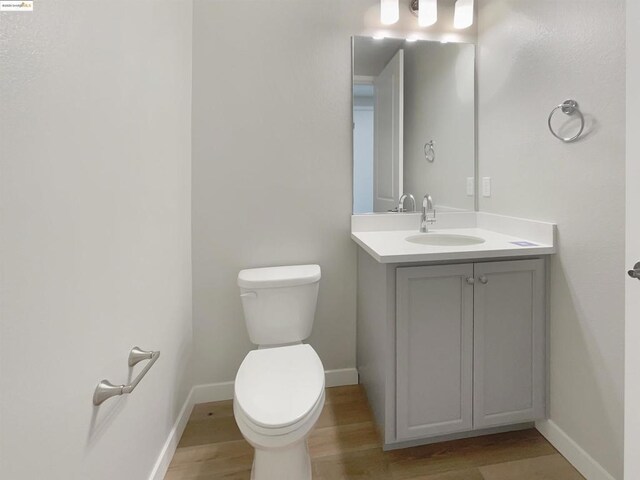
(413, 124)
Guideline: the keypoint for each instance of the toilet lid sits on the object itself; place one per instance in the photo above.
(277, 387)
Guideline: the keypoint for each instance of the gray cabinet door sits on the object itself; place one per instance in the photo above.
(509, 343)
(434, 341)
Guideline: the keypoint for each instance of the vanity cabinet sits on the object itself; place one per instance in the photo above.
(509, 343)
(457, 350)
(434, 344)
(469, 347)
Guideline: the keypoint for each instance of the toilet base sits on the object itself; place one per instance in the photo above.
(291, 463)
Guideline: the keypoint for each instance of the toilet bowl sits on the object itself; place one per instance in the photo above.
(279, 388)
(279, 395)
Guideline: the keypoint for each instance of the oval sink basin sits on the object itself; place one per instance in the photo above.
(445, 239)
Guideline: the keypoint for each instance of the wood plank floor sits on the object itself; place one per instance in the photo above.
(344, 445)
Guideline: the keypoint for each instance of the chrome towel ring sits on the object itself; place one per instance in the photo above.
(568, 107)
(429, 151)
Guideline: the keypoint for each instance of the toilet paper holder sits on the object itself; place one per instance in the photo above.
(105, 389)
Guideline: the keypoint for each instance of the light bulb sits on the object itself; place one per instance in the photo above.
(389, 11)
(427, 12)
(463, 16)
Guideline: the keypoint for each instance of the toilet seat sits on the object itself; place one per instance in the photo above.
(278, 389)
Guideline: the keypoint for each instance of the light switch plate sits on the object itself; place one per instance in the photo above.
(486, 186)
(470, 186)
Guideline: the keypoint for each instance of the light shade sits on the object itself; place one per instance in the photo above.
(427, 12)
(389, 11)
(463, 17)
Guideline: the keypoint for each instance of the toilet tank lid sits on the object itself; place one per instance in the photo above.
(273, 277)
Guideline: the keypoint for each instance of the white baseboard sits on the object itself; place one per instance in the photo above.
(577, 456)
(341, 377)
(169, 448)
(215, 392)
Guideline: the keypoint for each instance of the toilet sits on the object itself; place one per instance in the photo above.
(279, 388)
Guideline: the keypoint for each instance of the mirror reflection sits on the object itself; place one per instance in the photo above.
(414, 124)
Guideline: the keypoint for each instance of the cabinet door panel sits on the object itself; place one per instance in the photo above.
(434, 339)
(509, 339)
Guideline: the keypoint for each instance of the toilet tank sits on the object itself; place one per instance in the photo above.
(279, 303)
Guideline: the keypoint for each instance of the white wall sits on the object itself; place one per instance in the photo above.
(532, 56)
(95, 233)
(272, 162)
(632, 314)
(439, 105)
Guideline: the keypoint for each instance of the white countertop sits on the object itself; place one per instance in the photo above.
(390, 246)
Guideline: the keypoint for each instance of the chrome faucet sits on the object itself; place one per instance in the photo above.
(428, 213)
(402, 200)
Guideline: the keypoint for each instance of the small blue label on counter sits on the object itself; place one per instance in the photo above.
(525, 244)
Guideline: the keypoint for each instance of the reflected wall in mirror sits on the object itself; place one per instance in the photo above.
(407, 94)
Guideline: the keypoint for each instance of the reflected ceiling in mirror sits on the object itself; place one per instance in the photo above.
(414, 124)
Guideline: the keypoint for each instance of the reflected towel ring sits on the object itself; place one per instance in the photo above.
(429, 151)
(568, 107)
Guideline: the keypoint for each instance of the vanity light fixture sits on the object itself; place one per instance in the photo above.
(389, 11)
(425, 10)
(463, 16)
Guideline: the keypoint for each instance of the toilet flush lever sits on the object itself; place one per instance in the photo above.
(635, 273)
(248, 295)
